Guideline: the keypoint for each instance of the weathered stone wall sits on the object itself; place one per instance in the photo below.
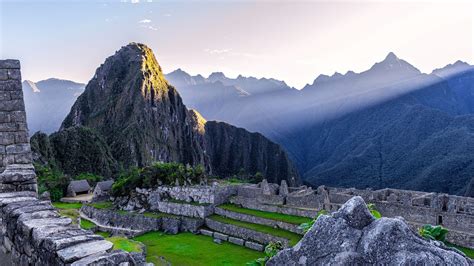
(17, 172)
(251, 203)
(183, 209)
(258, 220)
(35, 234)
(168, 224)
(244, 233)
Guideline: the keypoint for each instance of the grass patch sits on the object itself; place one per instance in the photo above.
(123, 243)
(64, 205)
(86, 224)
(469, 252)
(292, 219)
(103, 234)
(292, 237)
(102, 205)
(70, 213)
(190, 249)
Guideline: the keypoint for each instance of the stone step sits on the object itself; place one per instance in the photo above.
(244, 233)
(258, 220)
(232, 239)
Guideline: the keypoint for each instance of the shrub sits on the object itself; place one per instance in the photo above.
(270, 250)
(373, 211)
(52, 180)
(306, 226)
(92, 179)
(433, 232)
(155, 175)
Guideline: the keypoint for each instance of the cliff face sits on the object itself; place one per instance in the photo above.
(232, 149)
(141, 116)
(141, 119)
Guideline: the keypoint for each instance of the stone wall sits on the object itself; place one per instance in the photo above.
(251, 203)
(244, 233)
(140, 222)
(17, 172)
(199, 194)
(35, 234)
(258, 220)
(183, 209)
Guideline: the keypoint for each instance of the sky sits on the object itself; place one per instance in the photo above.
(294, 41)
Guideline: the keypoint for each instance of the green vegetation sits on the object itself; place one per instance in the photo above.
(306, 226)
(270, 250)
(156, 174)
(52, 180)
(86, 224)
(92, 179)
(126, 244)
(469, 252)
(292, 219)
(102, 205)
(196, 250)
(433, 232)
(64, 205)
(374, 211)
(103, 234)
(292, 237)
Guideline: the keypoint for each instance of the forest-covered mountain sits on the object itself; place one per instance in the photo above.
(131, 114)
(389, 126)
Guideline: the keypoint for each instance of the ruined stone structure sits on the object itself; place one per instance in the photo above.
(417, 208)
(31, 230)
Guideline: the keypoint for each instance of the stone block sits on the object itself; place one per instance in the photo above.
(254, 246)
(21, 137)
(16, 95)
(221, 236)
(205, 232)
(23, 158)
(12, 105)
(14, 74)
(82, 250)
(18, 148)
(8, 127)
(237, 241)
(3, 74)
(17, 116)
(10, 85)
(116, 257)
(5, 96)
(9, 63)
(4, 117)
(7, 138)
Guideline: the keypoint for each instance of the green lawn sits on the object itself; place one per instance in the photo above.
(292, 219)
(294, 238)
(103, 234)
(469, 252)
(190, 249)
(64, 205)
(124, 243)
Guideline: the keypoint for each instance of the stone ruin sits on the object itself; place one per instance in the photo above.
(32, 231)
(418, 208)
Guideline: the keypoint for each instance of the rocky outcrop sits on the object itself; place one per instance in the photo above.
(142, 119)
(353, 236)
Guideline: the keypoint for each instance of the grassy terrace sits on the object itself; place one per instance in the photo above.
(63, 205)
(292, 237)
(292, 219)
(190, 249)
(469, 252)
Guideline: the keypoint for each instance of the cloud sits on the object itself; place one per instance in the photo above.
(135, 1)
(150, 27)
(145, 21)
(217, 51)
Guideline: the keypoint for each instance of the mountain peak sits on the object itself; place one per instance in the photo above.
(216, 76)
(391, 57)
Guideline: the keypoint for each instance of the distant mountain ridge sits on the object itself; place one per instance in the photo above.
(388, 126)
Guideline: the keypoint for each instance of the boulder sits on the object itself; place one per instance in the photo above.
(352, 236)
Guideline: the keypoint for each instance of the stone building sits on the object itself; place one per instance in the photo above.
(102, 190)
(78, 187)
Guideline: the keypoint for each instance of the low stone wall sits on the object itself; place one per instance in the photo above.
(233, 240)
(183, 209)
(258, 220)
(35, 234)
(141, 222)
(244, 233)
(252, 204)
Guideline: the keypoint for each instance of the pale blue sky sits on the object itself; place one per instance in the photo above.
(290, 40)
